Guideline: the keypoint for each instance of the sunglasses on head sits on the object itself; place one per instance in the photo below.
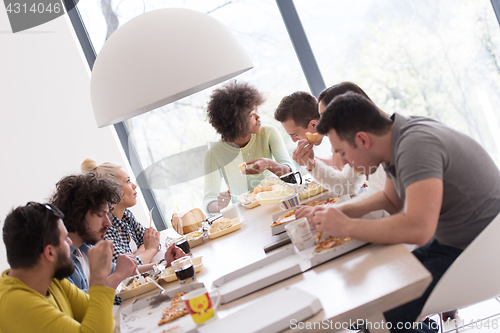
(47, 209)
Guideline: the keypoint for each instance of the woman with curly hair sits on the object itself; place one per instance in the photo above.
(232, 111)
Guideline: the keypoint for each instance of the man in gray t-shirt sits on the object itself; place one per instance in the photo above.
(423, 148)
(442, 188)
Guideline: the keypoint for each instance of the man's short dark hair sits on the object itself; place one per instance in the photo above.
(301, 107)
(76, 195)
(229, 107)
(351, 113)
(28, 230)
(328, 94)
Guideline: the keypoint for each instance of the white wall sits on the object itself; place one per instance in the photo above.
(47, 126)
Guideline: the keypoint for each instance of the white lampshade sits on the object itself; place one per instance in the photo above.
(160, 57)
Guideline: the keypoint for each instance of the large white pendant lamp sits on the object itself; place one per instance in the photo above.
(160, 57)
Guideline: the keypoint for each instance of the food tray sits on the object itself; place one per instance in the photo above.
(248, 200)
(274, 197)
(126, 294)
(236, 225)
(312, 191)
(144, 314)
(168, 274)
(195, 241)
(252, 204)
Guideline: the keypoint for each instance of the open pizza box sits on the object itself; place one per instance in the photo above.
(276, 267)
(281, 228)
(144, 314)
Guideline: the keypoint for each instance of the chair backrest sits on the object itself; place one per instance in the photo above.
(473, 277)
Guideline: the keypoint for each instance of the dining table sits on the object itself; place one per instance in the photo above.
(359, 285)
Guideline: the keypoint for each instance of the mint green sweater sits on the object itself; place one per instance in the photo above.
(222, 160)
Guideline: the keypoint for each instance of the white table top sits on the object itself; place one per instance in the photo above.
(361, 284)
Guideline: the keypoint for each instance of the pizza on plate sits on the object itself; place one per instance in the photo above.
(176, 309)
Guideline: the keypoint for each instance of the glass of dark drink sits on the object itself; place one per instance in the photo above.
(183, 244)
(184, 269)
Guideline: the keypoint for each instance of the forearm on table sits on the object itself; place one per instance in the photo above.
(395, 229)
(376, 202)
(147, 255)
(145, 268)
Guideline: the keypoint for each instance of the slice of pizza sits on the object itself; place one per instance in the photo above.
(318, 236)
(331, 242)
(287, 217)
(176, 309)
(323, 202)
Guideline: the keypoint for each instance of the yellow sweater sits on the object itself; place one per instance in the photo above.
(66, 309)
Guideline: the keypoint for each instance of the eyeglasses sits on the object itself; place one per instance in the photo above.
(48, 209)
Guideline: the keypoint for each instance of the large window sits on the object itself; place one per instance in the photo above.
(430, 58)
(171, 140)
(438, 59)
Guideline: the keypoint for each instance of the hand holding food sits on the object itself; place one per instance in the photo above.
(330, 220)
(304, 154)
(126, 265)
(242, 167)
(315, 138)
(303, 211)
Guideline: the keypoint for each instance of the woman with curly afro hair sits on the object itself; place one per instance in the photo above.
(232, 111)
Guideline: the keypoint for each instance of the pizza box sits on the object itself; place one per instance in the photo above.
(236, 225)
(285, 305)
(144, 314)
(258, 275)
(281, 228)
(276, 267)
(168, 274)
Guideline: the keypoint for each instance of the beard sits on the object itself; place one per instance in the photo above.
(93, 238)
(65, 266)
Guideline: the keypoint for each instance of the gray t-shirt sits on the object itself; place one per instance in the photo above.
(424, 148)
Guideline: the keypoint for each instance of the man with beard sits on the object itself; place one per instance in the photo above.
(85, 200)
(34, 296)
